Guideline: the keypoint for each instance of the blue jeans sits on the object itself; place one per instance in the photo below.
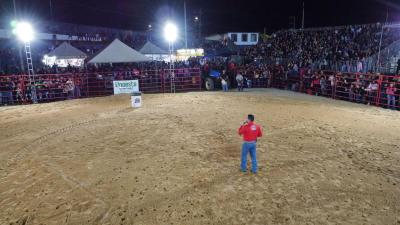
(225, 87)
(391, 101)
(249, 147)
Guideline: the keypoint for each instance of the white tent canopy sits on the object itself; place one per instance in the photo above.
(154, 52)
(215, 37)
(67, 51)
(151, 49)
(65, 55)
(118, 52)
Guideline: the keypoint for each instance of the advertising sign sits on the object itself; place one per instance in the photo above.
(125, 86)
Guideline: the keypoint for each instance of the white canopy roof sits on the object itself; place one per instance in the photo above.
(67, 51)
(215, 37)
(118, 52)
(152, 49)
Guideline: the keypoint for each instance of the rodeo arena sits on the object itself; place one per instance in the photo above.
(168, 126)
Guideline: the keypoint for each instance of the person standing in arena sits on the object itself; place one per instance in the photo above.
(250, 132)
(224, 81)
(240, 81)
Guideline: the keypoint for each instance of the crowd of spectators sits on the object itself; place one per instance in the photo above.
(346, 48)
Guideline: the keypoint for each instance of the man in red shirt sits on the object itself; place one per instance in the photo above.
(250, 132)
(391, 97)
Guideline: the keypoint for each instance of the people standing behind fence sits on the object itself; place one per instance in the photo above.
(6, 91)
(240, 81)
(323, 84)
(332, 82)
(372, 91)
(360, 93)
(315, 84)
(70, 89)
(78, 83)
(352, 92)
(20, 91)
(390, 95)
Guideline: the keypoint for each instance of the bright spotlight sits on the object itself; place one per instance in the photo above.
(24, 31)
(196, 18)
(170, 32)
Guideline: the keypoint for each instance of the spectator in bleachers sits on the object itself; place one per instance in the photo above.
(345, 48)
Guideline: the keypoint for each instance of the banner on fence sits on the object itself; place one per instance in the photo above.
(125, 86)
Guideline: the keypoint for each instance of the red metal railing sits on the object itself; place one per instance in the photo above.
(355, 87)
(371, 89)
(16, 89)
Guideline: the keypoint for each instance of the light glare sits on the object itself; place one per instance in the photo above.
(24, 31)
(170, 32)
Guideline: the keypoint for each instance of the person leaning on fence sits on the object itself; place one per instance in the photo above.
(70, 87)
(391, 98)
(250, 132)
(372, 91)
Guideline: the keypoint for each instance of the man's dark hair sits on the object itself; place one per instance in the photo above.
(250, 117)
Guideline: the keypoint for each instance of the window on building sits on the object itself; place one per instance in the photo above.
(253, 38)
(234, 37)
(245, 38)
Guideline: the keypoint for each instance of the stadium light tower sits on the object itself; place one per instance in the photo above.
(171, 34)
(25, 33)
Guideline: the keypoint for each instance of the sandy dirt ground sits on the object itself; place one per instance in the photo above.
(176, 161)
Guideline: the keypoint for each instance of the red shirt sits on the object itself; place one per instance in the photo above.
(390, 90)
(250, 132)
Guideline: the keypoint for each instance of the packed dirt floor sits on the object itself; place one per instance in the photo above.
(176, 161)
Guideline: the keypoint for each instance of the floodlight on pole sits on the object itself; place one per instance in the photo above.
(25, 33)
(170, 32)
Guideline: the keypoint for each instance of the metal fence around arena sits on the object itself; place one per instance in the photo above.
(371, 89)
(16, 89)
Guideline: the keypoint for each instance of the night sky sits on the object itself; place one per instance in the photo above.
(218, 16)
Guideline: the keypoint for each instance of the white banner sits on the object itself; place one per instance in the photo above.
(125, 86)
